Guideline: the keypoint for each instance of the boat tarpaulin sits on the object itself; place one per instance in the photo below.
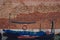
(22, 33)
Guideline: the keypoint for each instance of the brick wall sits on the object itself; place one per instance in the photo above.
(44, 21)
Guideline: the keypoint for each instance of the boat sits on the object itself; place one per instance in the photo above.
(29, 34)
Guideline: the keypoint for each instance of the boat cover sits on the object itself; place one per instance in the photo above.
(24, 33)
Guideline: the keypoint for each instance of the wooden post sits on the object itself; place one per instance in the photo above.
(52, 27)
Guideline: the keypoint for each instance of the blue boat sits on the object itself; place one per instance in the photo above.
(23, 33)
